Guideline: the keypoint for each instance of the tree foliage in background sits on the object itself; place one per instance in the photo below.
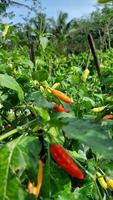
(71, 35)
(36, 57)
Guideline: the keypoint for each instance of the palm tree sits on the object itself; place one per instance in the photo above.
(60, 29)
(60, 26)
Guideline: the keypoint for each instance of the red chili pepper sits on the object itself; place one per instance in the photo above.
(61, 96)
(64, 160)
(59, 108)
(108, 116)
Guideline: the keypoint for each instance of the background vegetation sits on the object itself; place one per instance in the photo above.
(34, 56)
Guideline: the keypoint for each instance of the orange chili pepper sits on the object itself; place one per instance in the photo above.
(36, 189)
(108, 116)
(61, 96)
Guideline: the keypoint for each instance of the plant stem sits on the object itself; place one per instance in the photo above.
(12, 132)
(100, 196)
(87, 172)
(2, 137)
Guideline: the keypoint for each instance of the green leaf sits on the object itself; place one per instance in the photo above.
(43, 42)
(88, 191)
(40, 100)
(11, 83)
(43, 113)
(89, 133)
(104, 1)
(41, 75)
(69, 196)
(5, 31)
(55, 180)
(88, 102)
(40, 62)
(15, 157)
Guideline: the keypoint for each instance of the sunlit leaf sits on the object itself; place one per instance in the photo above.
(43, 42)
(11, 83)
(43, 113)
(5, 31)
